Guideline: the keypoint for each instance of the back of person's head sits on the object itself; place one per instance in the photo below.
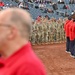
(39, 16)
(46, 16)
(69, 18)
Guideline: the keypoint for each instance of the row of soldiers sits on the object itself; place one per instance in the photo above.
(69, 28)
(47, 32)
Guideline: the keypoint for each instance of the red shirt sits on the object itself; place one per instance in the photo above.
(23, 62)
(67, 28)
(66, 24)
(1, 4)
(71, 31)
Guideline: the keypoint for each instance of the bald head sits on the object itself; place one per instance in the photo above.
(19, 18)
(7, 14)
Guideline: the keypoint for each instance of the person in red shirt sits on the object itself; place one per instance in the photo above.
(1, 4)
(17, 56)
(73, 40)
(72, 36)
(66, 29)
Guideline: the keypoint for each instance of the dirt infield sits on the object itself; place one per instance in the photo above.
(56, 60)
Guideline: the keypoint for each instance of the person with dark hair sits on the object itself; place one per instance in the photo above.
(66, 14)
(55, 7)
(66, 28)
(72, 42)
(64, 7)
(72, 2)
(47, 17)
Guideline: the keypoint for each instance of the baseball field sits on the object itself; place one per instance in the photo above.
(56, 60)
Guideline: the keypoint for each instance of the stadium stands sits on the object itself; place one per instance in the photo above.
(36, 11)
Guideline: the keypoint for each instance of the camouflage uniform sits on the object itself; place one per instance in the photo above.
(33, 34)
(46, 32)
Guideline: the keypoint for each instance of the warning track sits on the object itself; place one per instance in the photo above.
(56, 60)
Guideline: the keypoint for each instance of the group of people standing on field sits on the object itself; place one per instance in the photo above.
(69, 28)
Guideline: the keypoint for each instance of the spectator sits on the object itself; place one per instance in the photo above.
(55, 7)
(50, 11)
(48, 1)
(72, 2)
(65, 7)
(30, 1)
(47, 17)
(66, 14)
(42, 6)
(46, 10)
(72, 12)
(21, 5)
(61, 1)
(26, 7)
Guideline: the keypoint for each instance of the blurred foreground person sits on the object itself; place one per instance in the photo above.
(17, 57)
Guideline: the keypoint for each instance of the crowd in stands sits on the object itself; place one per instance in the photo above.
(50, 6)
(43, 7)
(46, 28)
(47, 31)
(51, 1)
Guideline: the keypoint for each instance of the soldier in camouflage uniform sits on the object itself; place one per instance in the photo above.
(33, 34)
(47, 31)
